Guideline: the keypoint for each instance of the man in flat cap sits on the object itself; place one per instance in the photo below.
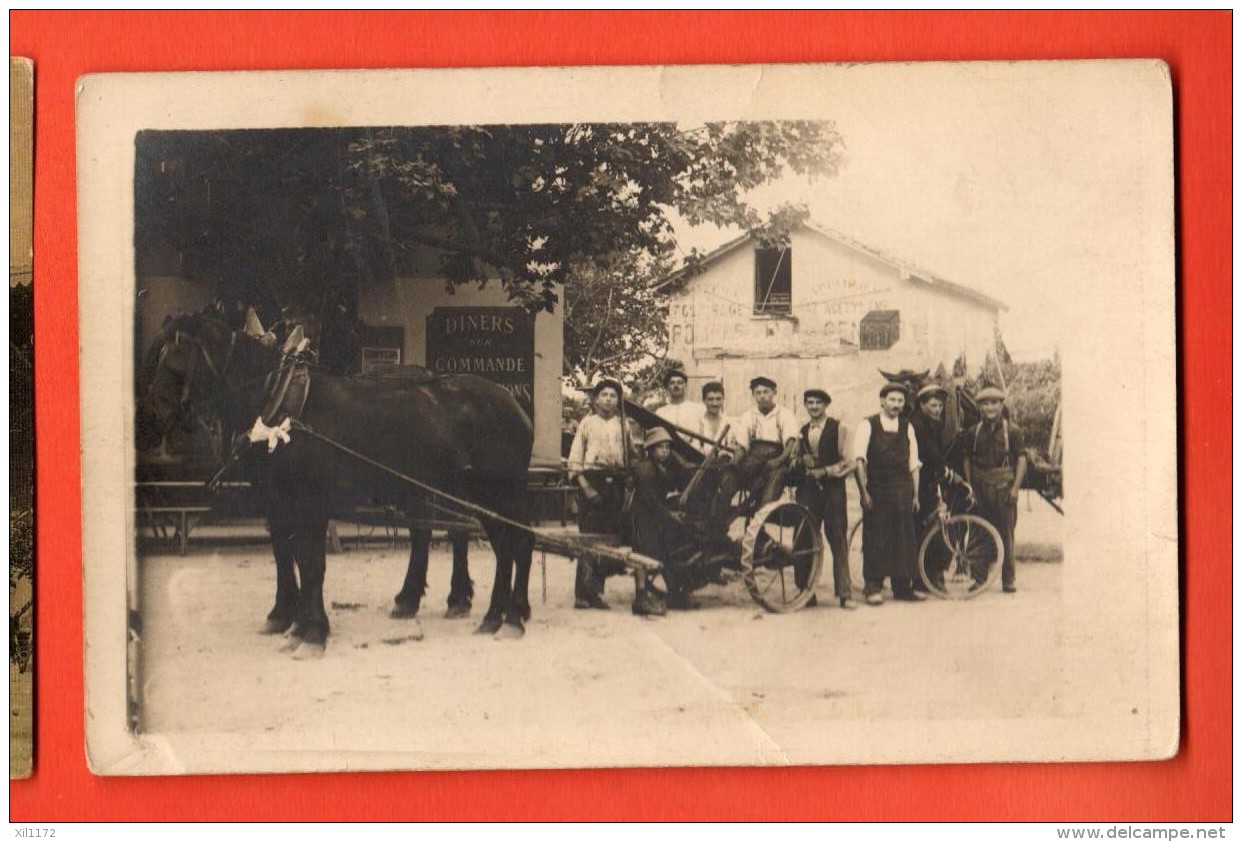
(887, 464)
(680, 411)
(928, 425)
(995, 467)
(597, 464)
(659, 530)
(823, 442)
(768, 421)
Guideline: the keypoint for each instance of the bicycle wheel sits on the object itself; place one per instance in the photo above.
(961, 558)
(781, 556)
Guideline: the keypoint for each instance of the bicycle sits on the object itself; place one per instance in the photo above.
(960, 553)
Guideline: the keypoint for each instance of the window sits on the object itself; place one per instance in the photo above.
(879, 330)
(773, 281)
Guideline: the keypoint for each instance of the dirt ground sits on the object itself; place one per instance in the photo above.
(726, 684)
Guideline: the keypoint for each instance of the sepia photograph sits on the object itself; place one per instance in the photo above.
(21, 419)
(628, 417)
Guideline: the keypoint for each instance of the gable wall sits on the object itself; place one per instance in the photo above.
(714, 332)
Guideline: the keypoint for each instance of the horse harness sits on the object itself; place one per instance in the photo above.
(286, 390)
(195, 344)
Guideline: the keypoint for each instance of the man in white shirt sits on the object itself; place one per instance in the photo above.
(713, 422)
(768, 421)
(685, 414)
(597, 465)
(887, 457)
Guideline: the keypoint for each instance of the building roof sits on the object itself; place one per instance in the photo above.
(914, 273)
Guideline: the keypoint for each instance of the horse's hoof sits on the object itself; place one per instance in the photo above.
(456, 612)
(307, 651)
(403, 612)
(291, 643)
(511, 630)
(275, 625)
(490, 625)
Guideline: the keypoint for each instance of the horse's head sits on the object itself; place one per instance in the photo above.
(182, 374)
(200, 370)
(912, 380)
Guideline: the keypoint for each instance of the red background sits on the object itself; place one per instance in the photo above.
(1196, 785)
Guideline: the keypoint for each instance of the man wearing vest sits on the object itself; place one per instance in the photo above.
(821, 487)
(996, 467)
(888, 476)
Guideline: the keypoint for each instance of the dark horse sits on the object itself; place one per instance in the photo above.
(351, 436)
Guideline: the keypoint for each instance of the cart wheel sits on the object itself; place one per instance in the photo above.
(855, 552)
(961, 558)
(782, 554)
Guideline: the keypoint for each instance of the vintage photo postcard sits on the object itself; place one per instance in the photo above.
(650, 416)
(21, 418)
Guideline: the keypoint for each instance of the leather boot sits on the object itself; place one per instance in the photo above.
(648, 604)
(587, 588)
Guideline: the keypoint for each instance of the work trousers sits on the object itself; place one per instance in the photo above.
(603, 515)
(992, 488)
(826, 502)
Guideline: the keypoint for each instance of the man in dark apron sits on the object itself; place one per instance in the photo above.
(888, 475)
(995, 467)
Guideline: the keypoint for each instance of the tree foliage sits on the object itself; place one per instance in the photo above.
(1033, 393)
(615, 322)
(302, 217)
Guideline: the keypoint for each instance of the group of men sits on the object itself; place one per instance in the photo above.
(897, 458)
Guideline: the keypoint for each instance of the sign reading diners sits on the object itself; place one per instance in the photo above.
(493, 342)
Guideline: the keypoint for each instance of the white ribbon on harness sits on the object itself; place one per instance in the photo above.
(274, 436)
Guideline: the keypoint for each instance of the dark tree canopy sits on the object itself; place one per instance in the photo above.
(299, 218)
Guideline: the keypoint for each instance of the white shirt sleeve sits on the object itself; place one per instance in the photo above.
(862, 440)
(915, 464)
(790, 426)
(577, 451)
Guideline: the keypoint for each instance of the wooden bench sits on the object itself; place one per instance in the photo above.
(181, 520)
(180, 504)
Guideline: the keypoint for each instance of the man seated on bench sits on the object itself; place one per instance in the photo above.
(660, 530)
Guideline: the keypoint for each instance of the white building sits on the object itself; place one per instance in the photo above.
(828, 312)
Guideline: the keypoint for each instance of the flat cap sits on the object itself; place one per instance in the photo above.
(756, 382)
(990, 393)
(893, 386)
(816, 393)
(933, 390)
(607, 383)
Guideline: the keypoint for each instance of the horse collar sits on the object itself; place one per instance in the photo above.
(287, 393)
